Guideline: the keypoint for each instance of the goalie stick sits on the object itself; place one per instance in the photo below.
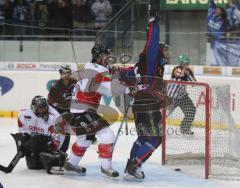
(13, 163)
(16, 158)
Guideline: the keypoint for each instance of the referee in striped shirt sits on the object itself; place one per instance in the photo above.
(178, 96)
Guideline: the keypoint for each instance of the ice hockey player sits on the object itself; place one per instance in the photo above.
(36, 139)
(87, 123)
(178, 96)
(59, 97)
(147, 103)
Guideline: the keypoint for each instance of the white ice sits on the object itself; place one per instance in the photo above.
(156, 175)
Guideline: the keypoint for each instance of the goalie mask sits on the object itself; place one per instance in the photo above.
(39, 107)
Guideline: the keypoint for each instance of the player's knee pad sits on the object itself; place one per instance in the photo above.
(105, 151)
(105, 136)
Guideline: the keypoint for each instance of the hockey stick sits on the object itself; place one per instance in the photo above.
(20, 154)
(13, 163)
(121, 125)
(74, 54)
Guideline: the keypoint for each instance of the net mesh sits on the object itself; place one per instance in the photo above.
(186, 129)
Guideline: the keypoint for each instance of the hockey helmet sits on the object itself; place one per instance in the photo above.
(98, 50)
(163, 45)
(39, 107)
(164, 50)
(65, 69)
(183, 59)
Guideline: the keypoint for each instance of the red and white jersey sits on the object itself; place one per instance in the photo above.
(29, 123)
(96, 81)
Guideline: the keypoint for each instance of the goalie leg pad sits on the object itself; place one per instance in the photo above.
(33, 161)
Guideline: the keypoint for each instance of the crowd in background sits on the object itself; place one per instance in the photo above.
(58, 14)
(61, 15)
(224, 22)
(224, 33)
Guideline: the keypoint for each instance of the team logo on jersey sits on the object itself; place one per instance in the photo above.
(6, 84)
(50, 84)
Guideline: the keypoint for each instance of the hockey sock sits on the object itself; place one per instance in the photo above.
(105, 155)
(145, 149)
(136, 145)
(76, 154)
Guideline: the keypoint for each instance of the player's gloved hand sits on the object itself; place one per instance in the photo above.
(113, 69)
(54, 143)
(153, 16)
(134, 89)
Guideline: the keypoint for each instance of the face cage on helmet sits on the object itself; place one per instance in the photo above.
(62, 71)
(44, 115)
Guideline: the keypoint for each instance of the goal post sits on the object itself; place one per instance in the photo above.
(211, 136)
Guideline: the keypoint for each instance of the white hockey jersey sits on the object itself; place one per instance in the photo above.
(29, 123)
(95, 82)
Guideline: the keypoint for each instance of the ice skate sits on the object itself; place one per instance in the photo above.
(74, 170)
(133, 172)
(110, 172)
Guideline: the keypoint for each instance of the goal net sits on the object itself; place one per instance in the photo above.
(199, 132)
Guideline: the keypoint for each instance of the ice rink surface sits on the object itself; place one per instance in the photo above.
(156, 175)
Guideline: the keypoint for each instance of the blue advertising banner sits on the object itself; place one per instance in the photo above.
(225, 53)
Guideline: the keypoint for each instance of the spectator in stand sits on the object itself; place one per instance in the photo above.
(233, 15)
(89, 3)
(40, 15)
(61, 17)
(21, 16)
(2, 6)
(81, 12)
(101, 9)
(2, 17)
(8, 13)
(216, 20)
(82, 17)
(116, 6)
